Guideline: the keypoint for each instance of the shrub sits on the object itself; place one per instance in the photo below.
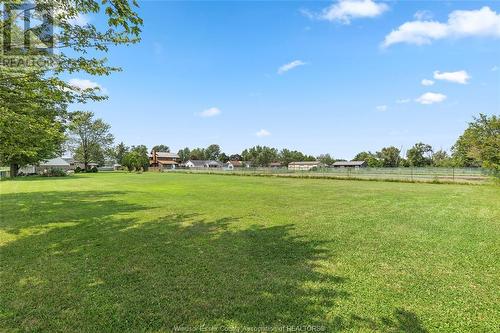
(78, 169)
(54, 173)
(94, 169)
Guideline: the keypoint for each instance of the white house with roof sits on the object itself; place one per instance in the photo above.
(350, 164)
(202, 164)
(305, 165)
(231, 165)
(53, 163)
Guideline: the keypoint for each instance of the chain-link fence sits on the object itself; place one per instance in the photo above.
(428, 174)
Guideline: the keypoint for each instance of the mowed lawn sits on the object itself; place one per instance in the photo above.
(158, 252)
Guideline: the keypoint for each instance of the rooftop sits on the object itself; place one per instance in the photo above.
(204, 162)
(305, 163)
(58, 161)
(165, 154)
(168, 162)
(351, 163)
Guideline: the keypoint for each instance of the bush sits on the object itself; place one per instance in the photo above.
(55, 173)
(78, 169)
(94, 169)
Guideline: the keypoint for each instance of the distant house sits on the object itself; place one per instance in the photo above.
(201, 164)
(351, 164)
(54, 163)
(110, 166)
(72, 162)
(163, 160)
(77, 164)
(275, 165)
(305, 166)
(27, 170)
(230, 165)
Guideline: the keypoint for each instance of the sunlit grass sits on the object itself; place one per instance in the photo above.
(149, 252)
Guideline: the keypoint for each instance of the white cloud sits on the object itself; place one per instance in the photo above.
(494, 68)
(84, 84)
(211, 112)
(416, 32)
(483, 22)
(291, 65)
(423, 15)
(427, 82)
(262, 133)
(403, 101)
(381, 108)
(431, 98)
(458, 77)
(345, 10)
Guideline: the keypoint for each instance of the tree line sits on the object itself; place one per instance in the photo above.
(478, 146)
(90, 140)
(34, 99)
(420, 155)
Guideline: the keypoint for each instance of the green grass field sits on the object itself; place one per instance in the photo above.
(157, 252)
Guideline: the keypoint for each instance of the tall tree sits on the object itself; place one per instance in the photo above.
(370, 158)
(137, 158)
(32, 120)
(389, 156)
(89, 137)
(212, 152)
(419, 155)
(223, 157)
(142, 156)
(441, 158)
(479, 145)
(260, 155)
(33, 99)
(326, 159)
(235, 157)
(286, 156)
(161, 148)
(184, 154)
(197, 154)
(120, 150)
(26, 140)
(73, 39)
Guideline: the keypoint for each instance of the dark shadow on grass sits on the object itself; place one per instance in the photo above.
(106, 270)
(35, 209)
(402, 321)
(43, 178)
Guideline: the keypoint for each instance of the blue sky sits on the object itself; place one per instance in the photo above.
(209, 72)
